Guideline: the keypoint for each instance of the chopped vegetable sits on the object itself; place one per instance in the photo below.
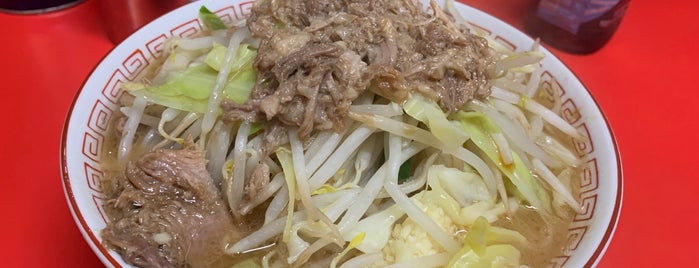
(481, 129)
(404, 171)
(243, 56)
(210, 19)
(487, 246)
(189, 90)
(495, 256)
(476, 202)
(379, 225)
(249, 263)
(465, 187)
(427, 111)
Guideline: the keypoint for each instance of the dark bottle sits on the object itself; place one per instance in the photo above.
(575, 26)
(34, 6)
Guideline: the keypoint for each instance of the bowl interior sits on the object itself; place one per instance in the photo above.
(84, 133)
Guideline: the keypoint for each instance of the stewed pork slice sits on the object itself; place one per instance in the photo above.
(169, 213)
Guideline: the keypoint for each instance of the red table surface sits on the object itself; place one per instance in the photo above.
(645, 79)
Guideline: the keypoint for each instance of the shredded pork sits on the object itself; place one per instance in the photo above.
(316, 57)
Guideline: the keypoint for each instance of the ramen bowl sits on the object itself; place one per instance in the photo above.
(85, 131)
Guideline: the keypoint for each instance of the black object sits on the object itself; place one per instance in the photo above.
(577, 26)
(34, 6)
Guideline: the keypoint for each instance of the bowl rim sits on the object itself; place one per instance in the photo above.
(91, 237)
(618, 203)
(87, 232)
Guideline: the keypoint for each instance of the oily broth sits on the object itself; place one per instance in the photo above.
(547, 237)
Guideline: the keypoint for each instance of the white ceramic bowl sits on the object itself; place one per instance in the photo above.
(95, 104)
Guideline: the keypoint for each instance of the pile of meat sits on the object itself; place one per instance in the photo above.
(165, 211)
(317, 56)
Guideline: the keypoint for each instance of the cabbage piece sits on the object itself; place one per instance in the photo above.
(186, 90)
(248, 263)
(210, 19)
(240, 85)
(464, 187)
(505, 236)
(495, 256)
(477, 201)
(243, 56)
(476, 236)
(243, 76)
(216, 56)
(481, 129)
(379, 226)
(488, 246)
(189, 89)
(428, 112)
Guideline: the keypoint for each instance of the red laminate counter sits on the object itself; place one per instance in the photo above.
(646, 80)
